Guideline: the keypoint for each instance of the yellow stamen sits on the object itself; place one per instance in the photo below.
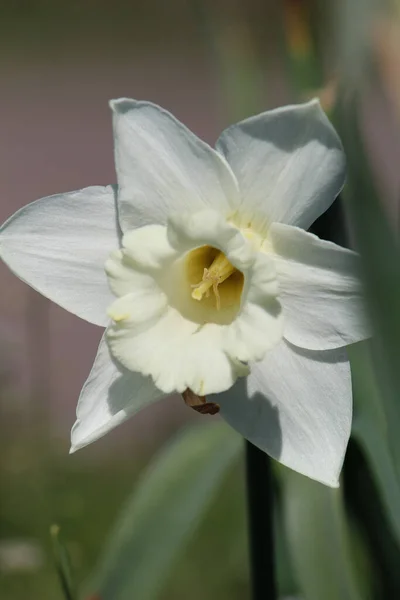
(218, 272)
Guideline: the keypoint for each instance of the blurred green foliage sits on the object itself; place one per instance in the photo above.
(168, 503)
(86, 511)
(329, 559)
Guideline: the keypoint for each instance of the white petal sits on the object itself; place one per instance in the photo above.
(110, 395)
(139, 311)
(163, 168)
(254, 331)
(259, 325)
(296, 405)
(59, 244)
(146, 252)
(207, 228)
(289, 164)
(173, 350)
(121, 277)
(320, 290)
(149, 247)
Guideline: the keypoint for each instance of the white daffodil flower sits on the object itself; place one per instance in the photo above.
(200, 260)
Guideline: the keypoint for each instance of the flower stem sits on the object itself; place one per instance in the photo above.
(260, 519)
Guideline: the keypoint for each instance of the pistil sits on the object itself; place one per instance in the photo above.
(219, 270)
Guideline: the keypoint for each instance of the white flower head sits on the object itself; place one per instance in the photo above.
(200, 259)
(195, 303)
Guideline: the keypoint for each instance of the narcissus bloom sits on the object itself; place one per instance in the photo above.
(199, 266)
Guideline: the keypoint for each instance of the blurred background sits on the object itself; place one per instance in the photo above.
(210, 63)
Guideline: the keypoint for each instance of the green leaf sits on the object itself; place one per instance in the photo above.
(325, 562)
(63, 564)
(285, 576)
(166, 506)
(233, 52)
(370, 429)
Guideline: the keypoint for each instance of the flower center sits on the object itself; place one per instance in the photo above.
(219, 270)
(214, 282)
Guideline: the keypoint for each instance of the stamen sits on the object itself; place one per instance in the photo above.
(217, 273)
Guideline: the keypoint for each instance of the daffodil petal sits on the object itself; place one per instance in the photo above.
(162, 167)
(149, 247)
(296, 405)
(254, 331)
(58, 245)
(289, 163)
(208, 228)
(260, 323)
(121, 277)
(139, 309)
(174, 351)
(320, 290)
(109, 397)
(145, 252)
